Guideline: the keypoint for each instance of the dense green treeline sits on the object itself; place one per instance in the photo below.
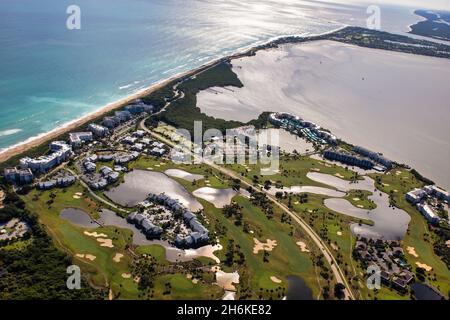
(36, 270)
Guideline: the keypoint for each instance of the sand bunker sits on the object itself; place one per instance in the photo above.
(339, 233)
(302, 246)
(424, 266)
(275, 279)
(225, 280)
(339, 175)
(178, 173)
(100, 238)
(95, 234)
(105, 242)
(77, 195)
(126, 275)
(205, 251)
(267, 246)
(356, 199)
(218, 197)
(412, 251)
(86, 256)
(117, 257)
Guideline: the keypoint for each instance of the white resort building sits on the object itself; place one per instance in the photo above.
(78, 138)
(98, 130)
(61, 152)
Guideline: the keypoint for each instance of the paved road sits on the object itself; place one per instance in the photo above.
(94, 194)
(338, 274)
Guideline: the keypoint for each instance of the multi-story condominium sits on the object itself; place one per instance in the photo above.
(415, 196)
(111, 122)
(20, 176)
(123, 115)
(199, 234)
(428, 213)
(78, 138)
(374, 156)
(139, 107)
(437, 192)
(60, 182)
(348, 159)
(98, 130)
(61, 152)
(89, 166)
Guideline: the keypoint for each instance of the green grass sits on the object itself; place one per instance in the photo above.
(360, 199)
(293, 171)
(285, 259)
(156, 251)
(183, 112)
(103, 270)
(184, 288)
(418, 235)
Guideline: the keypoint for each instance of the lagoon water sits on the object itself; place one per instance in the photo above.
(51, 75)
(297, 289)
(139, 183)
(78, 217)
(390, 223)
(390, 102)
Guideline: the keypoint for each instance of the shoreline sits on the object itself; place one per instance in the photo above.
(40, 139)
(248, 50)
(35, 141)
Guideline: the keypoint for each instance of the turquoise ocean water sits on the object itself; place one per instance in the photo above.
(51, 75)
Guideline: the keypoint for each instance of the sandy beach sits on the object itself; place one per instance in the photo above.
(46, 137)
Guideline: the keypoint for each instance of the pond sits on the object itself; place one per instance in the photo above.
(424, 292)
(390, 223)
(139, 183)
(78, 217)
(218, 197)
(297, 289)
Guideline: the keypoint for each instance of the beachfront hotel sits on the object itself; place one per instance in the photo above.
(110, 122)
(19, 176)
(98, 130)
(78, 138)
(61, 152)
(139, 108)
